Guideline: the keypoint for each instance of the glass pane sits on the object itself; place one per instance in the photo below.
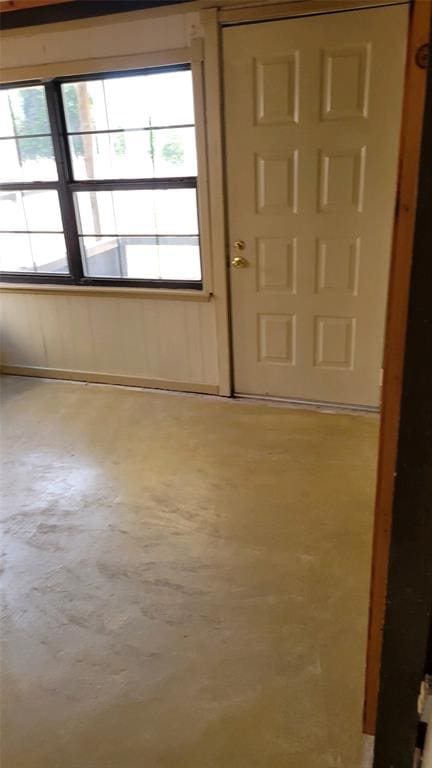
(134, 154)
(95, 213)
(171, 98)
(135, 211)
(138, 101)
(15, 253)
(49, 253)
(115, 155)
(23, 111)
(174, 152)
(179, 260)
(142, 258)
(138, 212)
(176, 211)
(101, 256)
(84, 106)
(27, 159)
(33, 253)
(35, 210)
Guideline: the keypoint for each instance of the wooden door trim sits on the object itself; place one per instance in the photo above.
(394, 349)
(214, 128)
(407, 640)
(287, 10)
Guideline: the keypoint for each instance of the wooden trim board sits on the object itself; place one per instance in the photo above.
(286, 10)
(97, 64)
(197, 55)
(213, 100)
(102, 291)
(407, 638)
(110, 378)
(400, 271)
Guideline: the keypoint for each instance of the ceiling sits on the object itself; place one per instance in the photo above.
(23, 13)
(16, 5)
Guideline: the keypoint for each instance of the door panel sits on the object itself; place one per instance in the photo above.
(312, 113)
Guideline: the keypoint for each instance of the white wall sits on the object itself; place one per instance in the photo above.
(115, 35)
(155, 339)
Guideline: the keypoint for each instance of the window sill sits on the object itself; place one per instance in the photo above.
(170, 294)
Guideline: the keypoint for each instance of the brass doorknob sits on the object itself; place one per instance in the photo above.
(239, 262)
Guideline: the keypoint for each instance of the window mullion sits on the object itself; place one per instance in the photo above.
(23, 186)
(61, 153)
(100, 185)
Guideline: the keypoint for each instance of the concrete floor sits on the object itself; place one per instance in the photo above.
(186, 580)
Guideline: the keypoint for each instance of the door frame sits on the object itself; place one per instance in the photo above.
(230, 21)
(394, 347)
(407, 650)
(250, 13)
(213, 20)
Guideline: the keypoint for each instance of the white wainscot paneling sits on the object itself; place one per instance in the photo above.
(171, 340)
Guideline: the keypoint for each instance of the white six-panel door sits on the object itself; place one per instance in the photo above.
(312, 115)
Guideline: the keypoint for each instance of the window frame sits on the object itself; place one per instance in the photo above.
(66, 186)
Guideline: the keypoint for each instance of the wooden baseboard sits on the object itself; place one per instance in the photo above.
(110, 378)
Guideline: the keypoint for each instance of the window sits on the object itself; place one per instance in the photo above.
(98, 180)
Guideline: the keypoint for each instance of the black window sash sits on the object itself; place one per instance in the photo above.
(66, 185)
